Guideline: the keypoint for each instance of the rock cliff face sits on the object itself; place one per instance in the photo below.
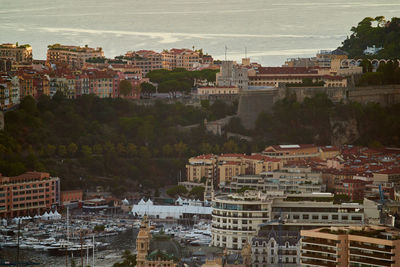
(343, 131)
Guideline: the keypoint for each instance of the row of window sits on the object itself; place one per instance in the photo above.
(30, 204)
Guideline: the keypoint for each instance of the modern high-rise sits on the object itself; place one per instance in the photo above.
(355, 246)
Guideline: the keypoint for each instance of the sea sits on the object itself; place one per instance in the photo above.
(267, 31)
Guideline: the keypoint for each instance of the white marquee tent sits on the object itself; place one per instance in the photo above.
(162, 211)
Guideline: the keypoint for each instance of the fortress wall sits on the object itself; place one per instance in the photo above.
(252, 103)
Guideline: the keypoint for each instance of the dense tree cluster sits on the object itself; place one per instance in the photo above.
(374, 31)
(387, 73)
(111, 142)
(309, 122)
(179, 80)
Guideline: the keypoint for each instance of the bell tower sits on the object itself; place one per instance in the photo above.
(143, 242)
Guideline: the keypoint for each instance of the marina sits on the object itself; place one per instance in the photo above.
(93, 240)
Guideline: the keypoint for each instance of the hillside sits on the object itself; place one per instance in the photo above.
(113, 142)
(374, 31)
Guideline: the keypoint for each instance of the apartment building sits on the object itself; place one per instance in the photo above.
(236, 217)
(102, 83)
(16, 54)
(73, 56)
(287, 179)
(319, 209)
(201, 166)
(146, 60)
(9, 92)
(179, 58)
(225, 166)
(28, 194)
(33, 83)
(367, 246)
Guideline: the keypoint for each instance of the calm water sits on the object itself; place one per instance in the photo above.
(271, 30)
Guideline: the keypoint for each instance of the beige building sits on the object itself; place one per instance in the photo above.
(179, 58)
(223, 167)
(228, 169)
(292, 152)
(201, 166)
(229, 90)
(273, 76)
(325, 57)
(17, 54)
(328, 152)
(366, 246)
(387, 176)
(146, 60)
(73, 56)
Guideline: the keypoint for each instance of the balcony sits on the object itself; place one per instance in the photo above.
(374, 255)
(369, 247)
(319, 249)
(317, 263)
(370, 262)
(232, 229)
(318, 256)
(320, 242)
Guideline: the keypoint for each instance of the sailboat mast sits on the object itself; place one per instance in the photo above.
(93, 252)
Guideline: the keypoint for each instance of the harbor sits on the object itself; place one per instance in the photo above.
(94, 240)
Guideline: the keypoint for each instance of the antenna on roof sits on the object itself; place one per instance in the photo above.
(226, 49)
(245, 52)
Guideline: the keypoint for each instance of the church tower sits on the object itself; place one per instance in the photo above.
(143, 242)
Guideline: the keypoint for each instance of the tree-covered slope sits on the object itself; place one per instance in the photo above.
(374, 31)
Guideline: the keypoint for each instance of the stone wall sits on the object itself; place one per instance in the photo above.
(385, 95)
(253, 102)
